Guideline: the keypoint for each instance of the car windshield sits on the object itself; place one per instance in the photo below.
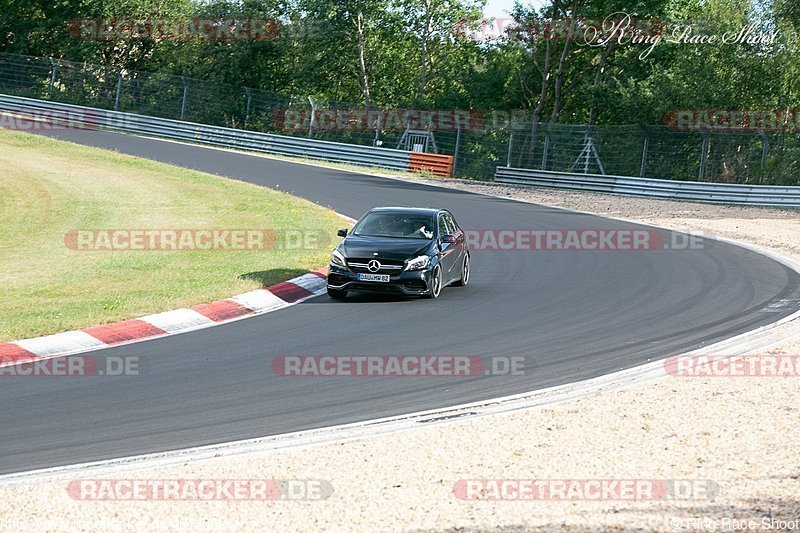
(396, 225)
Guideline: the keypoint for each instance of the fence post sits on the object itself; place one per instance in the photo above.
(589, 144)
(510, 143)
(376, 140)
(311, 120)
(764, 153)
(53, 68)
(703, 156)
(545, 150)
(455, 155)
(249, 104)
(119, 90)
(643, 165)
(183, 101)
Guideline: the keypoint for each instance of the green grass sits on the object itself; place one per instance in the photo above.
(48, 187)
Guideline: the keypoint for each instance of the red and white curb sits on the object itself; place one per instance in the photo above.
(200, 316)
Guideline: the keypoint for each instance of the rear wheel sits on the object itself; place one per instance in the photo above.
(436, 282)
(337, 294)
(464, 273)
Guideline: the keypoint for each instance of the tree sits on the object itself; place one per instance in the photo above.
(433, 27)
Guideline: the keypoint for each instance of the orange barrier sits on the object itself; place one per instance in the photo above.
(440, 165)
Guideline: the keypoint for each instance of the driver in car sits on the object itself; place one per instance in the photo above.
(423, 230)
(427, 232)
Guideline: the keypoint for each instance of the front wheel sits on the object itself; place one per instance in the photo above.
(464, 273)
(436, 282)
(337, 294)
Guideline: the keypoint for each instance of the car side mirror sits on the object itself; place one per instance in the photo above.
(342, 233)
(448, 238)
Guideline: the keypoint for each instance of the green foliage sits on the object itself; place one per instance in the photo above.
(414, 53)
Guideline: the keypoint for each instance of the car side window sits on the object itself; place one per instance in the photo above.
(443, 229)
(451, 223)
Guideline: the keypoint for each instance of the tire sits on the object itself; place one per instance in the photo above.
(337, 294)
(464, 273)
(436, 283)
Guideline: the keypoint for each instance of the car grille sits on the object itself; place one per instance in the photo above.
(388, 266)
(374, 287)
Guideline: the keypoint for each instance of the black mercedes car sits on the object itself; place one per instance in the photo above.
(404, 250)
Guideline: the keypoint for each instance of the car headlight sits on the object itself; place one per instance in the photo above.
(418, 263)
(338, 259)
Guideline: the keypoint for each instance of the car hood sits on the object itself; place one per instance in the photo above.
(387, 248)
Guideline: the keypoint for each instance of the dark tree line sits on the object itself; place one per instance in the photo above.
(414, 53)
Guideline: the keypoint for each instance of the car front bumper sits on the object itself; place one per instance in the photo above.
(414, 282)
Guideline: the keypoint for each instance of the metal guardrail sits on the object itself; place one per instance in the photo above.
(719, 193)
(72, 116)
(68, 115)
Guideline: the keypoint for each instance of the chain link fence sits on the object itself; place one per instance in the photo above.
(659, 152)
(479, 143)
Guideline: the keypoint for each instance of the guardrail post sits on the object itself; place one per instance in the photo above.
(643, 165)
(119, 90)
(52, 79)
(183, 101)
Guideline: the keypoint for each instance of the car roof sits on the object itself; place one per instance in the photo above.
(407, 210)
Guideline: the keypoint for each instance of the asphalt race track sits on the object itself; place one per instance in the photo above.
(571, 315)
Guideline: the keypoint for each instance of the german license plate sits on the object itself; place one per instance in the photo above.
(373, 277)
